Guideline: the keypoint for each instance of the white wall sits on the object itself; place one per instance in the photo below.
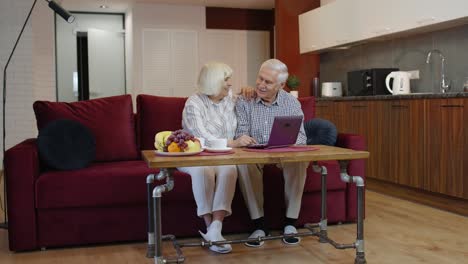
(31, 73)
(147, 16)
(67, 49)
(129, 50)
(157, 24)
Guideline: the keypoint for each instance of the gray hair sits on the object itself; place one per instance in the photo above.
(279, 66)
(212, 77)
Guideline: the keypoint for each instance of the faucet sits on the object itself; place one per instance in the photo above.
(444, 82)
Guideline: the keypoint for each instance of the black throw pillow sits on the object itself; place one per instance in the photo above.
(66, 145)
(320, 132)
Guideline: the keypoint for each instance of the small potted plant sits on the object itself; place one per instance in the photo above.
(293, 82)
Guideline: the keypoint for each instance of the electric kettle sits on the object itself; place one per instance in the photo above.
(401, 82)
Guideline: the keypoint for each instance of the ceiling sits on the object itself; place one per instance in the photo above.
(123, 5)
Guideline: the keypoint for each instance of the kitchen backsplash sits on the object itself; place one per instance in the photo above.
(407, 54)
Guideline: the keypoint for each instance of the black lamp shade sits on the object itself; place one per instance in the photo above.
(62, 12)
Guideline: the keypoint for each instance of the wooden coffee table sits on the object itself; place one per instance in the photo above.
(168, 164)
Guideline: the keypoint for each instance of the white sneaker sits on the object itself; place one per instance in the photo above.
(289, 229)
(256, 234)
(214, 235)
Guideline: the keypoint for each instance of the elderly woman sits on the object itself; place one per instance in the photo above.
(210, 114)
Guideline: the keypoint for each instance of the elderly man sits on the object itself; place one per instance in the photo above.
(255, 119)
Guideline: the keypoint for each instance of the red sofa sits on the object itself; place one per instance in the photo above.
(106, 201)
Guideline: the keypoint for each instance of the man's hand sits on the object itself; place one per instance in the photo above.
(242, 141)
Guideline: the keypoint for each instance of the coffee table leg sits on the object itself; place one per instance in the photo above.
(157, 194)
(359, 181)
(149, 189)
(360, 256)
(323, 203)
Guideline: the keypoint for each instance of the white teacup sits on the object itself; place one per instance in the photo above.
(219, 143)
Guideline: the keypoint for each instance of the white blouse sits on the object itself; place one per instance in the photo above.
(204, 118)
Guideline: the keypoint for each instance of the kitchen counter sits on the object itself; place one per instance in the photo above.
(396, 97)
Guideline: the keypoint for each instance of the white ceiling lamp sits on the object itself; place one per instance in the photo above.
(104, 4)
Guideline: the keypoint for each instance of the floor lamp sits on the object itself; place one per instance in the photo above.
(69, 18)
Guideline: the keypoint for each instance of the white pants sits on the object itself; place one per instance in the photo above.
(213, 187)
(251, 185)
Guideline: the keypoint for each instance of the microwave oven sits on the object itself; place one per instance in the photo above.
(368, 82)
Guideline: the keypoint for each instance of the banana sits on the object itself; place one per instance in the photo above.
(160, 139)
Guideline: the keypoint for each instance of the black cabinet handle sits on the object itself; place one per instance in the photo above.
(452, 106)
(400, 106)
(359, 106)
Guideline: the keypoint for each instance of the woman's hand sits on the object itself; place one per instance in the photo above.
(248, 92)
(242, 141)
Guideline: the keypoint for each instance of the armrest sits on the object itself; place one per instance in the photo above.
(351, 141)
(21, 171)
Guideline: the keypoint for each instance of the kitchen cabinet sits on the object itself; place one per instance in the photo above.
(417, 143)
(447, 147)
(325, 110)
(377, 18)
(344, 22)
(325, 27)
(399, 148)
(356, 117)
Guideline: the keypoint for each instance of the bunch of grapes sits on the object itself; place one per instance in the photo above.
(180, 137)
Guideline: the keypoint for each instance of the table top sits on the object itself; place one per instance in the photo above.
(241, 156)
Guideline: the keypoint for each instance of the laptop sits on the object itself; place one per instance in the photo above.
(283, 132)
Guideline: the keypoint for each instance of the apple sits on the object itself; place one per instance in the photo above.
(193, 146)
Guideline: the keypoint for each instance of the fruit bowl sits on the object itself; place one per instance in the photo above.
(178, 141)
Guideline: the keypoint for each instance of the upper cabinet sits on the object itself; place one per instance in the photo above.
(345, 22)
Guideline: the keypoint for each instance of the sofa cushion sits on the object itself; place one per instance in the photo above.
(155, 114)
(66, 145)
(308, 107)
(110, 119)
(313, 181)
(104, 184)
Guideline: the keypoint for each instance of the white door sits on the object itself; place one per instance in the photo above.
(106, 63)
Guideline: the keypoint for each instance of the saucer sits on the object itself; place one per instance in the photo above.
(226, 149)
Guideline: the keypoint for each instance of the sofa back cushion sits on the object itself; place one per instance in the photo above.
(110, 120)
(155, 114)
(308, 107)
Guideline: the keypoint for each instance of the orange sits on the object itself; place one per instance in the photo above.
(173, 147)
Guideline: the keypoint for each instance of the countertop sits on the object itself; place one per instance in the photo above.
(396, 97)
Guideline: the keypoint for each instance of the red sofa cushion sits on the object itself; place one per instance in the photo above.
(110, 119)
(313, 180)
(104, 184)
(308, 107)
(155, 114)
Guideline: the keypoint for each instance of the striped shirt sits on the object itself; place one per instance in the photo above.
(255, 118)
(204, 118)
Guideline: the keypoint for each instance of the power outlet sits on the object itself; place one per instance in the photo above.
(414, 74)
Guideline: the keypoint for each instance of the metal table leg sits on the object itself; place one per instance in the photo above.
(323, 202)
(149, 189)
(359, 181)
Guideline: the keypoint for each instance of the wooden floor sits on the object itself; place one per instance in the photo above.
(396, 231)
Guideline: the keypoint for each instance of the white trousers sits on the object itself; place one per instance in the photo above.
(251, 185)
(213, 187)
